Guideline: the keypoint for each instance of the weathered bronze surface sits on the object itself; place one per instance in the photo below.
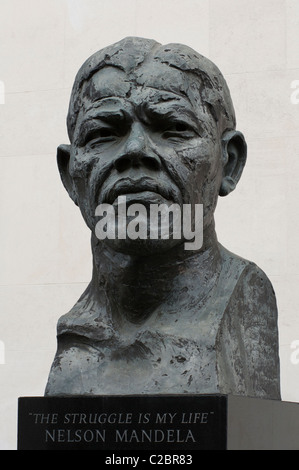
(156, 123)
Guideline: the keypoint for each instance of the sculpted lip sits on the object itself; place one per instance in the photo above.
(130, 186)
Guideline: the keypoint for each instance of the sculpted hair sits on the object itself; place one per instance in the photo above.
(131, 53)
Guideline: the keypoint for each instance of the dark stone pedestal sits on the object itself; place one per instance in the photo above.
(163, 423)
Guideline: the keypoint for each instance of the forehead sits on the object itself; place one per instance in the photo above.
(159, 82)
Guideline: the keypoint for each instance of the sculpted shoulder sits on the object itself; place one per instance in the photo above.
(255, 284)
(247, 341)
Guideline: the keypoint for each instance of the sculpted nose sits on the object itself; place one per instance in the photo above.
(137, 152)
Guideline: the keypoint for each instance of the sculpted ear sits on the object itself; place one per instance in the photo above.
(234, 154)
(63, 159)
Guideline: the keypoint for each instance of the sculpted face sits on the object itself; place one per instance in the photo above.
(147, 134)
(146, 139)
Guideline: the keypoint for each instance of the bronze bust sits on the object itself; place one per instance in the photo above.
(156, 123)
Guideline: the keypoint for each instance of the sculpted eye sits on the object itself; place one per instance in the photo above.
(181, 127)
(104, 134)
(180, 130)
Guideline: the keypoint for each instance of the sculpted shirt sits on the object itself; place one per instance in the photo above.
(227, 343)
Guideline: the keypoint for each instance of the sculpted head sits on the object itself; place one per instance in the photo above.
(155, 123)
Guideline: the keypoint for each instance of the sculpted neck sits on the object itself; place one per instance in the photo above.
(133, 287)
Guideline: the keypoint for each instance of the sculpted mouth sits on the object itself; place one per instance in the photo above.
(129, 186)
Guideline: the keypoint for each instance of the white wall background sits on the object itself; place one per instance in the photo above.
(44, 245)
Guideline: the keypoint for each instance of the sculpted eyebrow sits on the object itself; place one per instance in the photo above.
(175, 112)
(108, 116)
(170, 108)
(116, 117)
